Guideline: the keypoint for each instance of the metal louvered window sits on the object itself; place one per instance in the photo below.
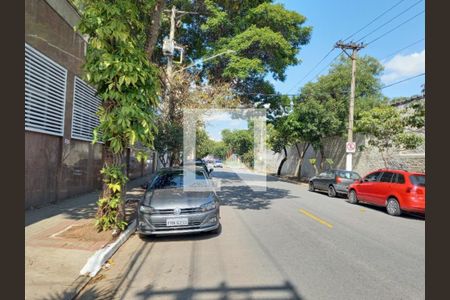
(45, 93)
(85, 106)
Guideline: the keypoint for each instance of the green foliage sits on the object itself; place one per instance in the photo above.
(313, 162)
(386, 127)
(117, 66)
(335, 86)
(312, 121)
(329, 162)
(219, 149)
(416, 118)
(281, 134)
(238, 141)
(241, 143)
(107, 217)
(266, 36)
(267, 39)
(204, 145)
(169, 137)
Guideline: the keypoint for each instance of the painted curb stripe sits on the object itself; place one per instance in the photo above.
(315, 218)
(96, 261)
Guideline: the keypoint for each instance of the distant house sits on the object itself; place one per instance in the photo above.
(60, 159)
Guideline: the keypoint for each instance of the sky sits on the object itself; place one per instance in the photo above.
(334, 20)
(218, 121)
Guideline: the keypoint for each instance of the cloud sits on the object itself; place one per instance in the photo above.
(403, 66)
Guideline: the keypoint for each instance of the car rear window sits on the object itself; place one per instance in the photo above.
(175, 180)
(418, 180)
(348, 175)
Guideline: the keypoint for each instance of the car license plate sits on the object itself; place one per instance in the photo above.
(177, 222)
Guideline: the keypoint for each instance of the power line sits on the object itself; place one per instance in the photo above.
(307, 74)
(326, 55)
(406, 47)
(323, 69)
(384, 24)
(389, 85)
(371, 22)
(387, 32)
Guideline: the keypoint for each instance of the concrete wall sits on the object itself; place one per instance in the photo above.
(363, 161)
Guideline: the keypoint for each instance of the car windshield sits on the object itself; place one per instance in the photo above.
(418, 180)
(176, 180)
(348, 175)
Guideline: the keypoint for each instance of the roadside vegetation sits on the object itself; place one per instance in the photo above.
(125, 63)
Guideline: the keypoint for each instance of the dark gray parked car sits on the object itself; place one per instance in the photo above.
(167, 208)
(333, 181)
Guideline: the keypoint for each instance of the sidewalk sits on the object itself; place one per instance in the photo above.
(56, 247)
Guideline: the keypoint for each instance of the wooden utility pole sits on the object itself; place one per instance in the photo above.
(350, 148)
(169, 47)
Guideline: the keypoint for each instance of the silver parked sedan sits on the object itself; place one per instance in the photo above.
(169, 208)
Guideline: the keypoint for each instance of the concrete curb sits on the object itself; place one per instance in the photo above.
(96, 261)
(289, 180)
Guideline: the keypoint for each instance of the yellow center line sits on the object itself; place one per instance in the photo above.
(315, 218)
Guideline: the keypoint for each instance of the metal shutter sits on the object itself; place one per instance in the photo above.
(85, 106)
(45, 93)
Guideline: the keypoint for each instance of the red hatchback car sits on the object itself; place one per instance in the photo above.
(397, 190)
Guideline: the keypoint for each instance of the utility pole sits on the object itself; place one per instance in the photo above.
(169, 46)
(350, 146)
(170, 62)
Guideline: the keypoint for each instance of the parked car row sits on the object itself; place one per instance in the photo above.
(396, 190)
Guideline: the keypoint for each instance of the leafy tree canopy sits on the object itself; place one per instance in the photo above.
(387, 128)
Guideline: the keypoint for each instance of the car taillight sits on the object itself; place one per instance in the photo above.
(419, 191)
(338, 179)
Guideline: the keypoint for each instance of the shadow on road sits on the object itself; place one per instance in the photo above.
(180, 238)
(222, 291)
(243, 197)
(404, 215)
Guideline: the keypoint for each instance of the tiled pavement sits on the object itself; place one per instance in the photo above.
(52, 262)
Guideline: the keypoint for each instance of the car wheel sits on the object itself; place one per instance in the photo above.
(311, 187)
(393, 207)
(217, 231)
(331, 191)
(352, 198)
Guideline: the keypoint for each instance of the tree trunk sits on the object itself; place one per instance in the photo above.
(282, 161)
(301, 155)
(153, 29)
(162, 160)
(322, 158)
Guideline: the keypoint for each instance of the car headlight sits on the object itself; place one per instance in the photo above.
(146, 209)
(208, 206)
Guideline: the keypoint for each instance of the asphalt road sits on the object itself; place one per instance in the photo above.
(284, 243)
